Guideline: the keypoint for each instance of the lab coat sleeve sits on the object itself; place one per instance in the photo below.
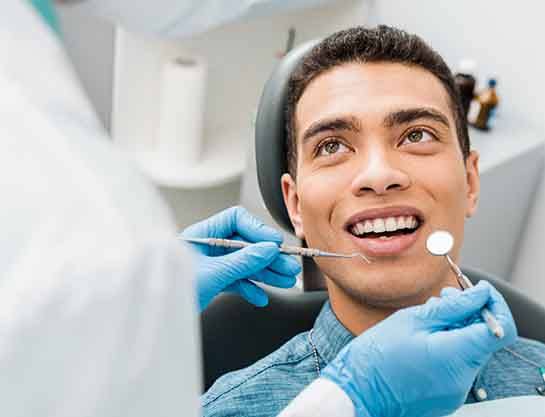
(116, 339)
(322, 398)
(97, 308)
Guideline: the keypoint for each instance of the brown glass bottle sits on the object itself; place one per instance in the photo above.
(484, 106)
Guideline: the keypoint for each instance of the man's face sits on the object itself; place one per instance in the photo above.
(377, 148)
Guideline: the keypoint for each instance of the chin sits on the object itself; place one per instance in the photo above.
(384, 294)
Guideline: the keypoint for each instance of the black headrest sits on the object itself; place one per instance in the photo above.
(270, 135)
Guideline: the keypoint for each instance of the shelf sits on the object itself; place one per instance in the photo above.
(507, 140)
(223, 161)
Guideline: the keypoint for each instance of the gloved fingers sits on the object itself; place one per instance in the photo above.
(447, 310)
(496, 305)
(226, 225)
(243, 263)
(476, 342)
(284, 264)
(501, 311)
(250, 292)
(276, 280)
(234, 220)
(252, 229)
(450, 291)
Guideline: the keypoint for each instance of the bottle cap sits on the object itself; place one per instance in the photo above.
(467, 66)
(492, 82)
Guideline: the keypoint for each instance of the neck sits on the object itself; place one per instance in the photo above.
(358, 316)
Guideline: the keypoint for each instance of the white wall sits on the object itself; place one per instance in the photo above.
(506, 39)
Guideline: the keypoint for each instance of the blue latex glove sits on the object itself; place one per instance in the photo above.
(422, 361)
(220, 269)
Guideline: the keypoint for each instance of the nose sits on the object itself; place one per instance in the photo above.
(379, 174)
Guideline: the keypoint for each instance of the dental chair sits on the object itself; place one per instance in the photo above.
(236, 334)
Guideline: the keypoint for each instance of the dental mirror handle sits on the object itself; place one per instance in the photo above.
(487, 316)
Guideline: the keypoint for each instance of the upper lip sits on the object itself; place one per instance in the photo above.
(384, 212)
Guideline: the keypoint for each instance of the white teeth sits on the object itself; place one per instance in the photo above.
(390, 224)
(360, 229)
(378, 225)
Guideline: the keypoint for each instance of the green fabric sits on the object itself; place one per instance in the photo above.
(47, 11)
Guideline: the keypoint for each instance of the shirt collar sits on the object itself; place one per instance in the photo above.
(329, 335)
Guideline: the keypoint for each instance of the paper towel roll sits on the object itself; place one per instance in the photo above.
(181, 111)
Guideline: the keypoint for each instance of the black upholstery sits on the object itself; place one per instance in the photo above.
(270, 135)
(236, 334)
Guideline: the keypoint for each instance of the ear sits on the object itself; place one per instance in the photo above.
(473, 183)
(291, 200)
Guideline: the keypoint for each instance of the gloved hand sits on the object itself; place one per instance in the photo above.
(422, 361)
(220, 269)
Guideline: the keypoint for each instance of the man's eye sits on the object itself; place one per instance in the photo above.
(331, 147)
(418, 136)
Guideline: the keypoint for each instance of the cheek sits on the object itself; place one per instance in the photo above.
(445, 180)
(319, 194)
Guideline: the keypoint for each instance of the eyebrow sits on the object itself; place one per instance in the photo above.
(332, 125)
(410, 115)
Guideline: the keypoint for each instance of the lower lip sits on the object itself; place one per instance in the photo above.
(386, 247)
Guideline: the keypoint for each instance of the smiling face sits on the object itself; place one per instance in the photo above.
(379, 167)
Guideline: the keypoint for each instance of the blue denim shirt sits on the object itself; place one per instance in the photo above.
(265, 388)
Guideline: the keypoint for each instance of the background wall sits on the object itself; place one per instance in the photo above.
(506, 40)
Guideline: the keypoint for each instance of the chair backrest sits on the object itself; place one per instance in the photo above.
(236, 334)
(270, 134)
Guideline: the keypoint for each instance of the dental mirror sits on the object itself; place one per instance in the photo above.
(439, 243)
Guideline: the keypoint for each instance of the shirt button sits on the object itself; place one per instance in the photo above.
(481, 394)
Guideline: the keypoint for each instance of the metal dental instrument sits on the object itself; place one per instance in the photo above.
(439, 243)
(290, 250)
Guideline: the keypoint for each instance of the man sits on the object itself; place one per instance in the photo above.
(379, 157)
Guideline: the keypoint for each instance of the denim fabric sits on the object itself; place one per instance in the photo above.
(265, 388)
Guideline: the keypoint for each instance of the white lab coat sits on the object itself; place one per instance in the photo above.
(97, 309)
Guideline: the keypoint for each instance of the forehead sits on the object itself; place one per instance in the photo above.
(369, 91)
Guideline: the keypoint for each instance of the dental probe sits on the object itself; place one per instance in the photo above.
(290, 250)
(439, 243)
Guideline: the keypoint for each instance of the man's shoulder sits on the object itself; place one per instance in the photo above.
(266, 387)
(514, 371)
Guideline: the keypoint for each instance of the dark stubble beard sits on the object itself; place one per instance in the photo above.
(400, 302)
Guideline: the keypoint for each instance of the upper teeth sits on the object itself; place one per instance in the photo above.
(389, 224)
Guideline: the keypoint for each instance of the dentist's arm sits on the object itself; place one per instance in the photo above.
(220, 269)
(421, 361)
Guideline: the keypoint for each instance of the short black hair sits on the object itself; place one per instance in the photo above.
(362, 45)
